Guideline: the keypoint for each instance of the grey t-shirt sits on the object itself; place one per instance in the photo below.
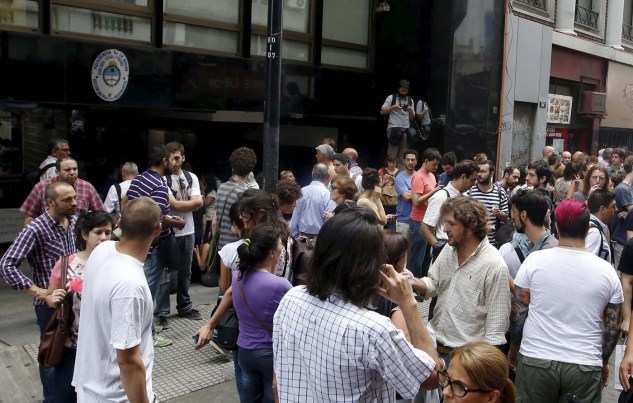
(398, 117)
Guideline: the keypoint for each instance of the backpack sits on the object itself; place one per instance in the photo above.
(389, 196)
(187, 178)
(32, 177)
(503, 232)
(604, 250)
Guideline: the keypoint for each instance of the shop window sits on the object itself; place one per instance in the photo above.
(627, 24)
(291, 50)
(227, 11)
(346, 27)
(296, 14)
(65, 19)
(343, 57)
(20, 14)
(218, 40)
(589, 17)
(541, 9)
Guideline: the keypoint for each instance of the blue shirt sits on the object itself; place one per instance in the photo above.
(308, 215)
(444, 179)
(403, 208)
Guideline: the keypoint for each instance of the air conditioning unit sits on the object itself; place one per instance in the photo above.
(593, 103)
(298, 4)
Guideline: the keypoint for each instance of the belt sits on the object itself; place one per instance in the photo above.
(444, 349)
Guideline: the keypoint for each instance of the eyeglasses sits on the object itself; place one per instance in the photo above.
(458, 388)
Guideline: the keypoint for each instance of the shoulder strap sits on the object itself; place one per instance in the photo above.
(498, 193)
(266, 328)
(188, 178)
(168, 180)
(117, 187)
(519, 253)
(46, 168)
(394, 96)
(448, 194)
(602, 253)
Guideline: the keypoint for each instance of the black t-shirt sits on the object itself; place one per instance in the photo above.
(626, 261)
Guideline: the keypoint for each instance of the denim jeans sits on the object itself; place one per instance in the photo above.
(257, 375)
(183, 302)
(157, 281)
(43, 314)
(239, 377)
(417, 251)
(63, 391)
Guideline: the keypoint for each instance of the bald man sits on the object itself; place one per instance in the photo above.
(547, 152)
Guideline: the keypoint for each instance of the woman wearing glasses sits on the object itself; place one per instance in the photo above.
(342, 191)
(477, 372)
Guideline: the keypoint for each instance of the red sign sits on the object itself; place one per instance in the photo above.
(556, 132)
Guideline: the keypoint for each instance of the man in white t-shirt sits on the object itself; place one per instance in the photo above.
(115, 350)
(184, 198)
(112, 203)
(574, 300)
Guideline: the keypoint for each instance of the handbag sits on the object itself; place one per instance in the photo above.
(227, 330)
(169, 253)
(58, 328)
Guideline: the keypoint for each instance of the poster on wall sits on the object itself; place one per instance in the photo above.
(559, 109)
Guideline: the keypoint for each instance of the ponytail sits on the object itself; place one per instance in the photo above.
(509, 393)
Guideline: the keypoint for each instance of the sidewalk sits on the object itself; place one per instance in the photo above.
(181, 374)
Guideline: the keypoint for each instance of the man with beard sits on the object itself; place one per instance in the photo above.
(495, 200)
(67, 171)
(470, 280)
(151, 184)
(43, 241)
(510, 179)
(530, 209)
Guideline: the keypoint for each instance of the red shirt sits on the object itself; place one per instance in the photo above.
(421, 183)
(87, 198)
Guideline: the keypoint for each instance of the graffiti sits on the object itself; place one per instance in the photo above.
(521, 129)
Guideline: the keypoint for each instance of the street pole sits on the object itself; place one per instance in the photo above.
(273, 95)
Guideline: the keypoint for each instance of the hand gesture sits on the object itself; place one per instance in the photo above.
(204, 336)
(395, 287)
(53, 300)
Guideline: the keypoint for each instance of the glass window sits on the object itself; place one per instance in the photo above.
(296, 14)
(20, 13)
(200, 37)
(343, 57)
(346, 21)
(213, 10)
(291, 50)
(143, 3)
(99, 23)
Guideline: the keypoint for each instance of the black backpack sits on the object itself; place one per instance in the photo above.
(604, 249)
(187, 177)
(32, 177)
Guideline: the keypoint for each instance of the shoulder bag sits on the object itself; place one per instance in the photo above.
(227, 330)
(58, 327)
(262, 324)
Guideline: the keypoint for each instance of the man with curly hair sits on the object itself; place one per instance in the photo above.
(243, 161)
(470, 280)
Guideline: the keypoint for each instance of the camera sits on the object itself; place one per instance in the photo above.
(404, 106)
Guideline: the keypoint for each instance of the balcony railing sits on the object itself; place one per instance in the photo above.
(540, 4)
(115, 24)
(627, 32)
(586, 17)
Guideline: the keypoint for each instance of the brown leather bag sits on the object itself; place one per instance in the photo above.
(58, 327)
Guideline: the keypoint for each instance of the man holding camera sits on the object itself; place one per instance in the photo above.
(400, 108)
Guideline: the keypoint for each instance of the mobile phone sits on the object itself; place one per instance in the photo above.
(195, 338)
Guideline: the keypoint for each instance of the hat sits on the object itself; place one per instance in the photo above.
(403, 84)
(326, 150)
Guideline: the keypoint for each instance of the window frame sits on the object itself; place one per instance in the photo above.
(602, 13)
(544, 15)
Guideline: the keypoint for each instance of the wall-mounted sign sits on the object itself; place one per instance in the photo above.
(110, 74)
(559, 109)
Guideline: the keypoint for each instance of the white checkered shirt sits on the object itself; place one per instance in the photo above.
(334, 351)
(473, 300)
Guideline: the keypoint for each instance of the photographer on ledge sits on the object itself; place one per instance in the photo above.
(400, 108)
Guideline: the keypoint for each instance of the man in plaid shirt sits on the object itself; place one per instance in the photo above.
(43, 242)
(67, 171)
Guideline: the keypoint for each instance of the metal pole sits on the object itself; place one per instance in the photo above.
(273, 95)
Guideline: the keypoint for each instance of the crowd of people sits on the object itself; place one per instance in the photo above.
(530, 278)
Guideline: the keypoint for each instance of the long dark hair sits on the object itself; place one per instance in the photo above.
(262, 239)
(348, 257)
(86, 222)
(254, 201)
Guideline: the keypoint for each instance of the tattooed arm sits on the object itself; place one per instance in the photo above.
(612, 318)
(520, 305)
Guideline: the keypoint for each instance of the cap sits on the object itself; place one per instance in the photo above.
(326, 150)
(403, 84)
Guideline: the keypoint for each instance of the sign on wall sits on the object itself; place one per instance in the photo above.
(559, 109)
(110, 73)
